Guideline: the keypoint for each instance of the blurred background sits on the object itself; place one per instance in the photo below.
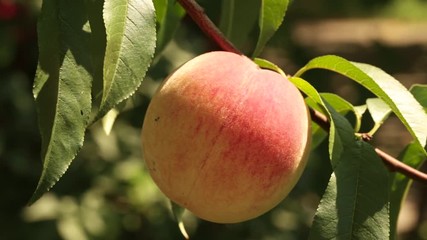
(107, 193)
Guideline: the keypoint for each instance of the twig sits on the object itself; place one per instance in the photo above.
(392, 163)
(206, 25)
(320, 119)
(398, 166)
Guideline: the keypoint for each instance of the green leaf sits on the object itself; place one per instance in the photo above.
(263, 63)
(98, 45)
(359, 111)
(238, 18)
(384, 86)
(131, 40)
(339, 104)
(318, 133)
(169, 14)
(420, 93)
(311, 92)
(335, 145)
(161, 8)
(62, 86)
(355, 203)
(413, 156)
(379, 111)
(343, 107)
(271, 17)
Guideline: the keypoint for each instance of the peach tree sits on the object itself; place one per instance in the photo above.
(94, 54)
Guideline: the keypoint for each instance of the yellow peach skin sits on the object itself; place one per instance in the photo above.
(226, 139)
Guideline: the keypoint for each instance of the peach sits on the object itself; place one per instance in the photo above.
(226, 139)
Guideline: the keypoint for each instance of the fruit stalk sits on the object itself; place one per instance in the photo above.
(196, 12)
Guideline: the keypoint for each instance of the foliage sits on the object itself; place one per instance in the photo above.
(93, 56)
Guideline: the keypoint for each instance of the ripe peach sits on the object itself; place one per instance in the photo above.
(226, 139)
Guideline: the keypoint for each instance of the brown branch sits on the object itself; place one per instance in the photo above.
(206, 25)
(392, 163)
(320, 119)
(398, 166)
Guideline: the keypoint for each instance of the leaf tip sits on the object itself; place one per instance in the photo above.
(45, 184)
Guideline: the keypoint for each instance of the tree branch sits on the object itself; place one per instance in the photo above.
(208, 27)
(392, 163)
(397, 166)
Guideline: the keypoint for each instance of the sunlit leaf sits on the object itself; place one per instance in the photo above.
(335, 145)
(379, 111)
(263, 63)
(360, 110)
(384, 86)
(62, 87)
(131, 40)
